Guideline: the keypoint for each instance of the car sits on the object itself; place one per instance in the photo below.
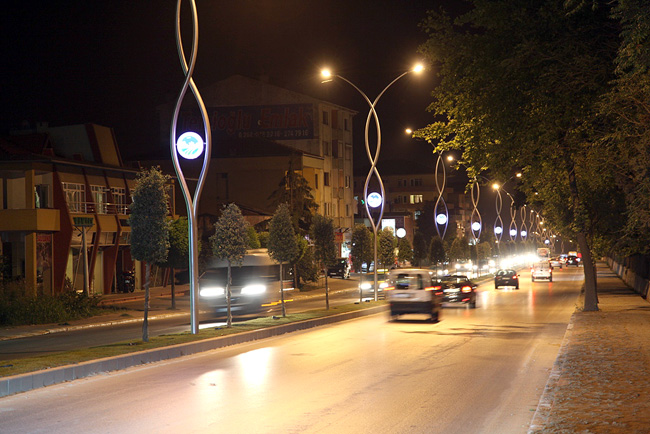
(367, 285)
(556, 262)
(506, 278)
(572, 260)
(341, 269)
(541, 270)
(413, 290)
(458, 288)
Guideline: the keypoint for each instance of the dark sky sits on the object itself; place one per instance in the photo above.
(111, 62)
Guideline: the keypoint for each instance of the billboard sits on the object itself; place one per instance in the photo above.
(272, 122)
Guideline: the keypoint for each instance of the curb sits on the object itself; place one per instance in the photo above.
(34, 380)
(545, 405)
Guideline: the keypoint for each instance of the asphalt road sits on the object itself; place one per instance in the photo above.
(476, 371)
(105, 335)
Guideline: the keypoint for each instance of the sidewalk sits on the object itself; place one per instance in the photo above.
(600, 381)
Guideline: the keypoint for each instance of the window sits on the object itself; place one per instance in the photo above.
(346, 124)
(42, 196)
(119, 199)
(316, 180)
(335, 149)
(417, 214)
(326, 179)
(416, 182)
(326, 148)
(326, 118)
(75, 196)
(348, 152)
(100, 198)
(416, 198)
(327, 209)
(347, 181)
(347, 210)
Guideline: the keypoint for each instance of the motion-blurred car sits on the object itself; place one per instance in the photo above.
(367, 284)
(413, 290)
(556, 263)
(541, 270)
(506, 278)
(458, 289)
(341, 269)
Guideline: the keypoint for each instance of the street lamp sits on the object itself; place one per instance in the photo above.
(189, 146)
(327, 76)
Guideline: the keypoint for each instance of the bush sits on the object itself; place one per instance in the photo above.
(17, 308)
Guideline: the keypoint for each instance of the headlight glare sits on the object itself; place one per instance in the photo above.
(212, 291)
(253, 290)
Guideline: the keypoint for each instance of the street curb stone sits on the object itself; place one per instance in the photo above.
(34, 380)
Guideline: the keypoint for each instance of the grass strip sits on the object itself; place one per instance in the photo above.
(53, 360)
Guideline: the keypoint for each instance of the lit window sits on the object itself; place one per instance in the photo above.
(75, 196)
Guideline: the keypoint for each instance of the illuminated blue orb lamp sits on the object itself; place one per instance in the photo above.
(374, 200)
(190, 145)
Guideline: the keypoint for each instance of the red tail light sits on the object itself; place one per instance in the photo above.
(466, 289)
(514, 277)
(433, 288)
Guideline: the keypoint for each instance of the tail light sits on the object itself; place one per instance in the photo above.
(433, 288)
(515, 277)
(389, 288)
(466, 289)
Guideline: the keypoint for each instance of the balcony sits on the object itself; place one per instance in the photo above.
(30, 220)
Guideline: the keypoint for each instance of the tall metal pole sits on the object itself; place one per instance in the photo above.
(191, 204)
(373, 163)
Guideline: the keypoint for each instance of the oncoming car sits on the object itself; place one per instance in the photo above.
(413, 290)
(341, 269)
(255, 285)
(541, 270)
(367, 285)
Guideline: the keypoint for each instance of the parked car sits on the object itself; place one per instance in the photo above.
(341, 269)
(367, 285)
(458, 289)
(506, 278)
(413, 290)
(541, 270)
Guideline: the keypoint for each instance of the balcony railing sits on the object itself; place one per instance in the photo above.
(101, 208)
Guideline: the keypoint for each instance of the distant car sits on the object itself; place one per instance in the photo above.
(367, 285)
(506, 278)
(541, 270)
(341, 269)
(556, 262)
(413, 290)
(458, 289)
(572, 260)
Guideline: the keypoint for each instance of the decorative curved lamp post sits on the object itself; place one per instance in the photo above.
(476, 223)
(498, 222)
(327, 76)
(191, 146)
(441, 211)
(524, 229)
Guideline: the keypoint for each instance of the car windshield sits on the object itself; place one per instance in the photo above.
(506, 273)
(370, 277)
(454, 279)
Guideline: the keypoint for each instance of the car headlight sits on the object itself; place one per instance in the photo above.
(383, 285)
(365, 286)
(212, 291)
(253, 290)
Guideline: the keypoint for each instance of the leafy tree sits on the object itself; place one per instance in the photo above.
(386, 247)
(362, 246)
(459, 249)
(263, 238)
(437, 254)
(305, 268)
(282, 246)
(322, 234)
(519, 85)
(229, 242)
(404, 250)
(253, 239)
(149, 227)
(294, 190)
(178, 255)
(420, 248)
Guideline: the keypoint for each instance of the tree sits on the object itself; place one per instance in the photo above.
(404, 250)
(253, 238)
(362, 246)
(294, 190)
(229, 242)
(437, 252)
(149, 227)
(459, 249)
(282, 242)
(386, 248)
(305, 268)
(420, 248)
(178, 255)
(519, 85)
(322, 234)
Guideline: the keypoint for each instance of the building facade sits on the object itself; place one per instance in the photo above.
(259, 131)
(64, 191)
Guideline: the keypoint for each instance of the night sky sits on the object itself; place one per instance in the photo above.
(111, 62)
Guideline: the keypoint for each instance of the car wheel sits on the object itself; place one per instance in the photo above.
(496, 286)
(517, 287)
(472, 304)
(550, 279)
(532, 279)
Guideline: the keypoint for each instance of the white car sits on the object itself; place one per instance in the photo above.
(541, 270)
(413, 290)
